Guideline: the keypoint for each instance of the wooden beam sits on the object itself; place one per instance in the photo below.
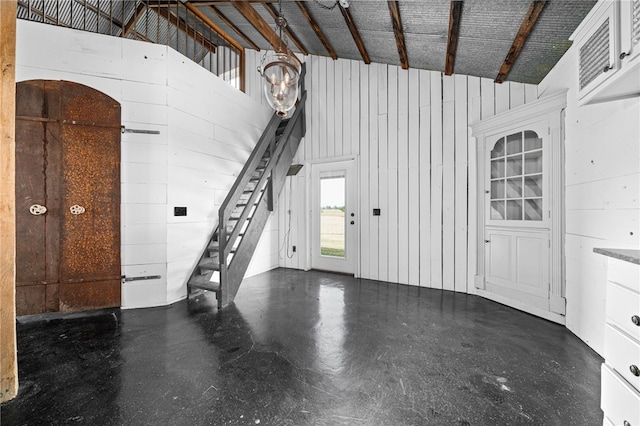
(355, 34)
(271, 9)
(521, 38)
(131, 23)
(234, 27)
(222, 34)
(317, 29)
(396, 21)
(261, 25)
(174, 19)
(8, 354)
(455, 14)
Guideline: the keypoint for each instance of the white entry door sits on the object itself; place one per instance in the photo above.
(334, 216)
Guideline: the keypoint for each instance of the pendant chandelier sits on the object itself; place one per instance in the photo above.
(281, 73)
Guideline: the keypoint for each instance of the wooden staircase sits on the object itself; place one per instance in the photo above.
(245, 211)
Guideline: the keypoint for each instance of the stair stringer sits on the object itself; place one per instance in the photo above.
(231, 277)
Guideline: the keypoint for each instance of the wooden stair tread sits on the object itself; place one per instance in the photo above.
(202, 282)
(209, 264)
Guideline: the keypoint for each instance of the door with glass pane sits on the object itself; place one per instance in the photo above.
(517, 230)
(333, 211)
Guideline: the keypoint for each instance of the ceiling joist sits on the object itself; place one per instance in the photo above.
(316, 29)
(452, 39)
(180, 23)
(518, 42)
(131, 23)
(233, 27)
(219, 31)
(355, 34)
(396, 21)
(258, 22)
(287, 30)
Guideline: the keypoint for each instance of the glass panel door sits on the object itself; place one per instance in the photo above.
(332, 213)
(334, 216)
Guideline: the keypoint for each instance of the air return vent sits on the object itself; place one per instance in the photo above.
(594, 55)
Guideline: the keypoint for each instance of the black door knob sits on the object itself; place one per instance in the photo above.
(352, 222)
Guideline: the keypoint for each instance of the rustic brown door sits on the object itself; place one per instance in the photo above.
(67, 198)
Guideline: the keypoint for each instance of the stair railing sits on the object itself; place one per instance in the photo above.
(263, 186)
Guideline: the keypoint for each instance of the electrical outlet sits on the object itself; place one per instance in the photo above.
(294, 249)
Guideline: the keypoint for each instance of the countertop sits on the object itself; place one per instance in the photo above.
(632, 256)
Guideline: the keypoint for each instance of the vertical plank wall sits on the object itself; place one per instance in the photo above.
(409, 131)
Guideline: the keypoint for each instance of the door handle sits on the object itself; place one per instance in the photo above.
(487, 241)
(352, 222)
(37, 210)
(76, 209)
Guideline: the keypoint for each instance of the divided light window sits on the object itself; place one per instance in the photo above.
(516, 177)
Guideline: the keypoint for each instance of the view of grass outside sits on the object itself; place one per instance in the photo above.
(332, 231)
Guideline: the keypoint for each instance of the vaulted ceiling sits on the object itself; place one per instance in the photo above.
(505, 40)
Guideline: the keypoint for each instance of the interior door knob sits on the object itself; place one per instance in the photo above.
(76, 209)
(37, 210)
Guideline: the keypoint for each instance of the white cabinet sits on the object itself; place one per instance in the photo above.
(621, 370)
(608, 43)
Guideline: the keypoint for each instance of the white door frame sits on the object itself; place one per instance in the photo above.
(355, 209)
(550, 110)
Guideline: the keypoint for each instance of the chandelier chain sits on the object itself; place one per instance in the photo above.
(327, 7)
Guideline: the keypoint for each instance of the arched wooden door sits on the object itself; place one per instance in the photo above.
(67, 198)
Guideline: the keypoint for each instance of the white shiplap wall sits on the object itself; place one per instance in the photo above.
(409, 130)
(602, 195)
(207, 131)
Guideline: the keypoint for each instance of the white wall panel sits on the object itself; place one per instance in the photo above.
(409, 130)
(207, 130)
(602, 181)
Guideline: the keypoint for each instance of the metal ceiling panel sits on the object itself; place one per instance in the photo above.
(425, 17)
(425, 51)
(371, 16)
(549, 40)
(302, 29)
(480, 58)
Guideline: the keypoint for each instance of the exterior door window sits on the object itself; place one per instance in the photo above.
(516, 178)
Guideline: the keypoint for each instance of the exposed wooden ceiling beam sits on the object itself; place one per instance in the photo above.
(518, 42)
(316, 29)
(234, 27)
(131, 23)
(287, 29)
(396, 21)
(355, 34)
(226, 37)
(260, 24)
(219, 31)
(455, 14)
(170, 16)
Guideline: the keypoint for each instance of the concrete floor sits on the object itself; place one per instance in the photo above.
(307, 348)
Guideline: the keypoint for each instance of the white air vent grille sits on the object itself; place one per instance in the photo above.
(594, 55)
(635, 34)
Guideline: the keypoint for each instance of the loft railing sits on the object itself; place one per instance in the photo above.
(169, 22)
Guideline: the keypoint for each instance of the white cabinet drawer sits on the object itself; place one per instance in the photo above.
(620, 402)
(626, 274)
(622, 353)
(623, 306)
